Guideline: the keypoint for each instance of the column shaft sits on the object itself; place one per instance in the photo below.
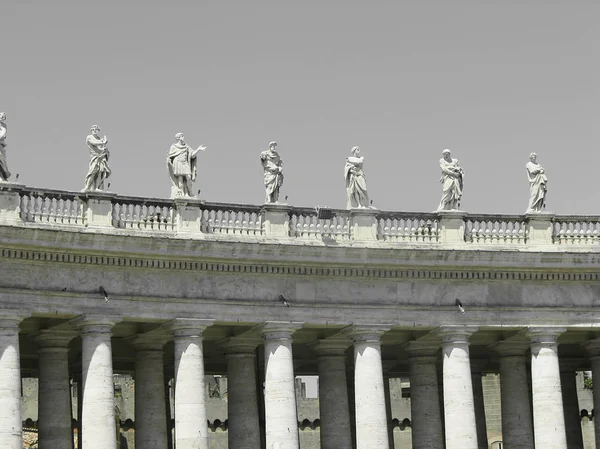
(548, 418)
(459, 408)
(54, 403)
(10, 384)
(517, 425)
(333, 396)
(150, 405)
(98, 406)
(191, 426)
(281, 417)
(596, 396)
(242, 404)
(571, 410)
(482, 439)
(426, 417)
(371, 416)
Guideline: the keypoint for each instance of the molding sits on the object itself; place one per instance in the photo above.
(300, 269)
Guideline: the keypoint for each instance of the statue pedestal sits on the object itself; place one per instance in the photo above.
(364, 224)
(540, 228)
(99, 209)
(10, 202)
(452, 226)
(276, 219)
(187, 215)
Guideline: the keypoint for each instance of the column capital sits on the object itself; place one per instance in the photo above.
(10, 320)
(456, 333)
(544, 335)
(95, 324)
(236, 346)
(279, 330)
(366, 332)
(148, 341)
(187, 327)
(416, 348)
(51, 338)
(331, 347)
(592, 347)
(508, 348)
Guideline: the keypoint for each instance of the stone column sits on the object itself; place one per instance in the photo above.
(371, 416)
(191, 426)
(281, 417)
(548, 418)
(426, 417)
(333, 394)
(242, 403)
(517, 424)
(476, 379)
(98, 426)
(388, 408)
(593, 349)
(459, 408)
(150, 405)
(572, 413)
(10, 383)
(54, 396)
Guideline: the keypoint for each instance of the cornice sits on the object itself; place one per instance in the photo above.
(305, 269)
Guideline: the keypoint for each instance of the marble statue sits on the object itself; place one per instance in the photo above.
(537, 185)
(273, 166)
(356, 182)
(4, 172)
(452, 182)
(98, 170)
(181, 163)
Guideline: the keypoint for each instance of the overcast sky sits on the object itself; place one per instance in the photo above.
(492, 81)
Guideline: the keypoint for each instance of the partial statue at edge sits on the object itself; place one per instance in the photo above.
(452, 182)
(98, 170)
(181, 163)
(4, 172)
(273, 166)
(356, 182)
(537, 185)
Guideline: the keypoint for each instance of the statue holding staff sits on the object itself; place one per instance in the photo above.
(452, 182)
(98, 170)
(356, 182)
(4, 172)
(273, 166)
(537, 185)
(181, 163)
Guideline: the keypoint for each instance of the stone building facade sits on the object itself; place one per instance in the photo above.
(93, 285)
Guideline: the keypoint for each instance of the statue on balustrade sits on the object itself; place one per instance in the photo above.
(356, 182)
(273, 166)
(4, 172)
(181, 163)
(537, 185)
(452, 182)
(98, 170)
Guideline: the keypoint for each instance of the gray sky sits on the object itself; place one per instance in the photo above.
(492, 81)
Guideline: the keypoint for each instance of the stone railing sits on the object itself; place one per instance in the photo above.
(407, 227)
(106, 212)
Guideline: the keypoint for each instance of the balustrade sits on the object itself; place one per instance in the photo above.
(407, 227)
(305, 224)
(155, 215)
(576, 230)
(496, 229)
(51, 207)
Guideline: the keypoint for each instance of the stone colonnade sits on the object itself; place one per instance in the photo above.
(441, 418)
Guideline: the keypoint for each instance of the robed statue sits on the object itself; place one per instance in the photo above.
(537, 185)
(356, 182)
(273, 167)
(181, 163)
(452, 182)
(98, 170)
(4, 172)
